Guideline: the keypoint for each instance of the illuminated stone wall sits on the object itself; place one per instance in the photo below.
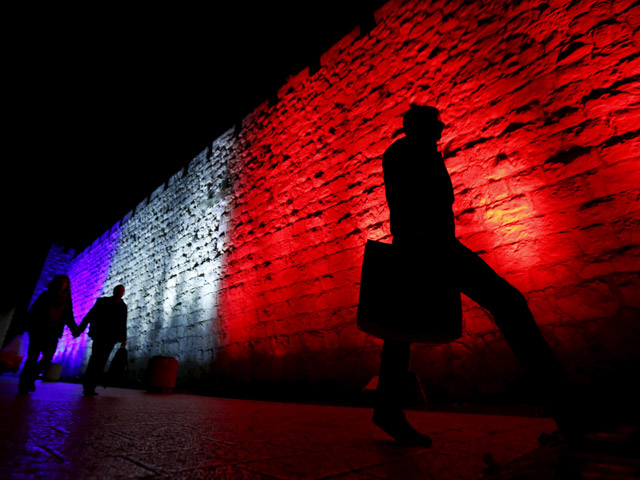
(168, 254)
(246, 265)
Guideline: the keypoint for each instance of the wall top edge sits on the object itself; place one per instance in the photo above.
(294, 80)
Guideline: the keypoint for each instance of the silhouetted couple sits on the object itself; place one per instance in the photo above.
(420, 196)
(47, 318)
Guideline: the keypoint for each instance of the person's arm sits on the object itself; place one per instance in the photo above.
(33, 317)
(70, 321)
(88, 318)
(389, 179)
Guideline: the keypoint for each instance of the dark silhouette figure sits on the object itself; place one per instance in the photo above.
(108, 319)
(420, 197)
(46, 319)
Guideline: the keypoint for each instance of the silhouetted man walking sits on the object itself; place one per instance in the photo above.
(420, 198)
(108, 319)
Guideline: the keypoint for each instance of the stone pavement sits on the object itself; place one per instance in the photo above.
(57, 433)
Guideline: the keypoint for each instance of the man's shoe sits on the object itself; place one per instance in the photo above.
(574, 414)
(395, 424)
(26, 387)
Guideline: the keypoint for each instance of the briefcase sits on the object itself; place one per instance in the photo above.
(408, 295)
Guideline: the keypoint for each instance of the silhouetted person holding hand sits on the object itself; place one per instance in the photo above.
(420, 197)
(108, 319)
(46, 319)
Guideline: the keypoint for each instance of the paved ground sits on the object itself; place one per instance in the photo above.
(57, 433)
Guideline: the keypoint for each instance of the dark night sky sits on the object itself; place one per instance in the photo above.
(104, 105)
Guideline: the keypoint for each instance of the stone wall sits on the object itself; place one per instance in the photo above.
(246, 264)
